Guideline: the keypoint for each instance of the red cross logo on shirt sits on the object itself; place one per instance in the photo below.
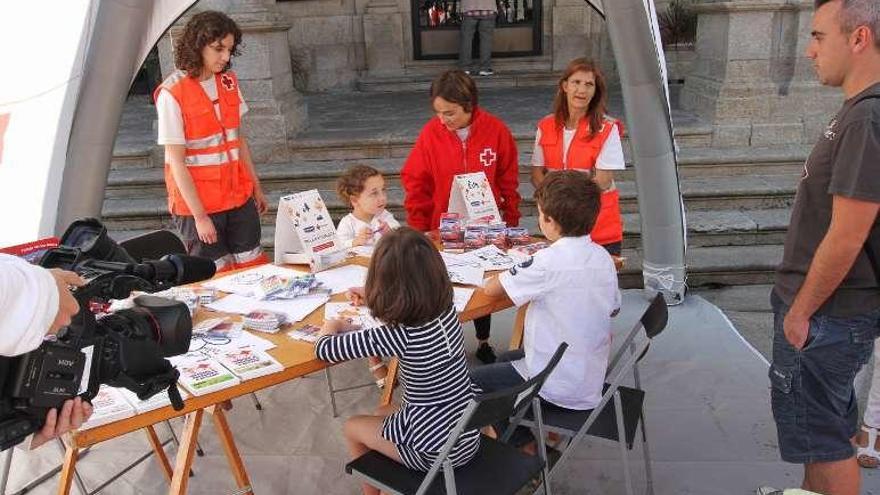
(227, 82)
(487, 157)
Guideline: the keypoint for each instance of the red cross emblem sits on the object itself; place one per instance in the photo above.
(227, 82)
(487, 157)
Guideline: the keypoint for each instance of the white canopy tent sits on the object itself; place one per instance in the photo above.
(68, 66)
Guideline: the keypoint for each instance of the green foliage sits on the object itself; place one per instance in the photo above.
(678, 24)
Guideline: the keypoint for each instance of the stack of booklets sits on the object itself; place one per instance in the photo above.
(201, 374)
(109, 405)
(248, 362)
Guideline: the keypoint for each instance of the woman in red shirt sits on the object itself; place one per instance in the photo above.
(463, 139)
(579, 135)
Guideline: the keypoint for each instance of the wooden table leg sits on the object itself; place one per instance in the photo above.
(519, 323)
(390, 382)
(67, 470)
(160, 452)
(232, 455)
(185, 453)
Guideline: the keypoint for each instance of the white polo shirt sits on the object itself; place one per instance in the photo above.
(572, 290)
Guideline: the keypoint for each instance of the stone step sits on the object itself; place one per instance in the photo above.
(764, 221)
(504, 77)
(708, 266)
(353, 145)
(130, 191)
(714, 266)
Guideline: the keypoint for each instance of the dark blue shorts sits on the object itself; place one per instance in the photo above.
(812, 395)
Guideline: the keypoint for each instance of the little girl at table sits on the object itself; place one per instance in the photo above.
(363, 188)
(422, 329)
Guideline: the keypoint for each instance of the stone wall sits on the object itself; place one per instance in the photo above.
(326, 42)
(750, 78)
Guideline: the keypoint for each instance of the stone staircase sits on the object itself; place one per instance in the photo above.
(737, 200)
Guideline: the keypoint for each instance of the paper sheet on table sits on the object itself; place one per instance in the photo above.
(343, 278)
(461, 297)
(489, 257)
(466, 274)
(244, 283)
(294, 309)
(358, 315)
(213, 346)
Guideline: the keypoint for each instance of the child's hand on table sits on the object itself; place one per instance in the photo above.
(362, 237)
(336, 325)
(355, 295)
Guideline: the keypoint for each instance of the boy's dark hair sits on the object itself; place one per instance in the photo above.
(203, 29)
(351, 183)
(570, 198)
(457, 87)
(407, 283)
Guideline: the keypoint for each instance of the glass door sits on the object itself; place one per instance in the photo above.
(436, 25)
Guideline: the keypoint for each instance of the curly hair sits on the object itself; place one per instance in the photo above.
(351, 183)
(203, 29)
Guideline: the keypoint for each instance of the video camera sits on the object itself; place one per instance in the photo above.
(126, 348)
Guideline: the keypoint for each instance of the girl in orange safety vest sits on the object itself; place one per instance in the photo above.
(214, 193)
(578, 135)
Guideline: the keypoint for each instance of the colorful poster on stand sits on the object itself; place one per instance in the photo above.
(471, 196)
(304, 231)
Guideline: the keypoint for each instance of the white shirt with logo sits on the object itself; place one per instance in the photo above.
(572, 290)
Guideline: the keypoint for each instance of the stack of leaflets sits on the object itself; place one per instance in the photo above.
(218, 328)
(201, 374)
(109, 405)
(264, 321)
(248, 362)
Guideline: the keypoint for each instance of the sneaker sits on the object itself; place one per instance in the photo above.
(467, 72)
(485, 353)
(767, 490)
(487, 72)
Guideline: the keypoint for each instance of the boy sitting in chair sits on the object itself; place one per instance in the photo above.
(572, 290)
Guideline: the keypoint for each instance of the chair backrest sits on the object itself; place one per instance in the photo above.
(487, 409)
(153, 245)
(655, 317)
(502, 404)
(653, 321)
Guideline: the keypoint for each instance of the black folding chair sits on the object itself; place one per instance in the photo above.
(498, 468)
(153, 245)
(620, 412)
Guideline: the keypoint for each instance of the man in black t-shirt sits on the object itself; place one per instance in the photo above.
(827, 297)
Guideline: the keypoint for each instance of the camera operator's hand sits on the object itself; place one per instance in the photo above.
(73, 414)
(67, 305)
(206, 230)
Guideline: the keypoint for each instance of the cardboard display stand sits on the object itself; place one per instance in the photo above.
(471, 196)
(304, 232)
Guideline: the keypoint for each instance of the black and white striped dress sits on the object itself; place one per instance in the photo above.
(438, 386)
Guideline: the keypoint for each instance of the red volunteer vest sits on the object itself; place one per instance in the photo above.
(582, 155)
(212, 145)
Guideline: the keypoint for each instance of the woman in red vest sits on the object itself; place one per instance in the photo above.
(214, 194)
(579, 135)
(462, 139)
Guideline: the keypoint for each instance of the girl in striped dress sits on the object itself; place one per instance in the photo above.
(408, 288)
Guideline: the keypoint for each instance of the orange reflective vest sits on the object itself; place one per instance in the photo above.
(212, 145)
(582, 155)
